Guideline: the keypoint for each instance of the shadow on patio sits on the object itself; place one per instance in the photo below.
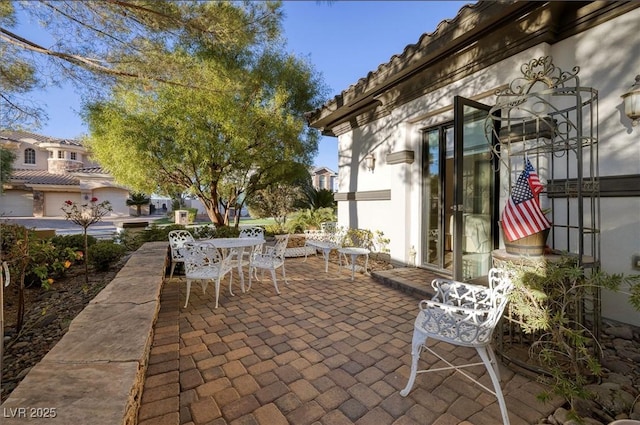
(326, 351)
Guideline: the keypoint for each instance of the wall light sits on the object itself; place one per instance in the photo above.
(632, 102)
(370, 162)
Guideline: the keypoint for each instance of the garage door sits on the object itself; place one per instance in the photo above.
(53, 202)
(16, 203)
(117, 198)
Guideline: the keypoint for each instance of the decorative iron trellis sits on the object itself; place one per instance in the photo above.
(545, 115)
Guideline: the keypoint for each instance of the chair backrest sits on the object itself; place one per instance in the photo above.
(252, 232)
(177, 239)
(472, 311)
(199, 256)
(281, 245)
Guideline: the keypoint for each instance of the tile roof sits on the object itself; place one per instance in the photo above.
(88, 170)
(18, 135)
(410, 53)
(31, 177)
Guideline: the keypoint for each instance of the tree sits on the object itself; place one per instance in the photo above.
(86, 215)
(220, 148)
(138, 200)
(96, 43)
(6, 165)
(276, 200)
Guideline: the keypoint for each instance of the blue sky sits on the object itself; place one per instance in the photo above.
(344, 40)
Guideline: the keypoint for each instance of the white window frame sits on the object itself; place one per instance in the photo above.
(30, 156)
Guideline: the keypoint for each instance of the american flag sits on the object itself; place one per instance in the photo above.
(522, 215)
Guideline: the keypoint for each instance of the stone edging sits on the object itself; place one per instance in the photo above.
(95, 373)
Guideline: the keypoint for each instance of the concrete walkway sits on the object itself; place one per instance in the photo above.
(327, 351)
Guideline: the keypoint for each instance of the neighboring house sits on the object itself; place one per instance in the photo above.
(324, 178)
(48, 171)
(410, 150)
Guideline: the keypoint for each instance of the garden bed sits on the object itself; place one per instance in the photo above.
(48, 314)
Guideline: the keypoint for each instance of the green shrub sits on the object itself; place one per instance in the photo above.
(75, 242)
(204, 232)
(309, 219)
(227, 232)
(192, 214)
(43, 260)
(274, 229)
(103, 254)
(133, 240)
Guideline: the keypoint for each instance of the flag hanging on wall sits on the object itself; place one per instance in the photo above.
(522, 216)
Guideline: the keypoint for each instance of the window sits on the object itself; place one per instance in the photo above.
(73, 156)
(50, 154)
(322, 182)
(60, 154)
(29, 156)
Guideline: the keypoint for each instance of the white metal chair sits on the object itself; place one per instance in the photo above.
(177, 239)
(241, 258)
(271, 259)
(466, 315)
(252, 232)
(203, 262)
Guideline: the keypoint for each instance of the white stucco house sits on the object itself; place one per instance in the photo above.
(49, 171)
(423, 158)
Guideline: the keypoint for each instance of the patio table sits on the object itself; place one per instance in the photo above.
(239, 244)
(354, 252)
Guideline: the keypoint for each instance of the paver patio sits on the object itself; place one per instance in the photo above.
(326, 351)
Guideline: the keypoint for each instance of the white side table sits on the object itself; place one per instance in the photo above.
(354, 252)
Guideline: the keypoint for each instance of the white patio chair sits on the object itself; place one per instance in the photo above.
(203, 262)
(177, 239)
(271, 259)
(240, 257)
(466, 315)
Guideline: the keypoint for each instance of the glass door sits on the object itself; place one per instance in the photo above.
(473, 206)
(437, 198)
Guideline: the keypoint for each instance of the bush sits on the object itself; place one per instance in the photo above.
(192, 214)
(74, 242)
(226, 232)
(103, 254)
(309, 219)
(204, 232)
(42, 259)
(133, 240)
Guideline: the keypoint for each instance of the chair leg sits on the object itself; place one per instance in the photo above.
(494, 361)
(173, 267)
(188, 292)
(252, 271)
(275, 282)
(231, 282)
(217, 290)
(284, 275)
(416, 349)
(482, 351)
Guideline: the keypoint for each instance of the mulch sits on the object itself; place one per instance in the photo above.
(48, 314)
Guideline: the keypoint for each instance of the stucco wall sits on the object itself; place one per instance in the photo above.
(605, 55)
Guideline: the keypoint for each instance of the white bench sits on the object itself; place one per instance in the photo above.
(322, 240)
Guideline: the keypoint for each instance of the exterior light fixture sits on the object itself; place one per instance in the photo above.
(632, 102)
(370, 162)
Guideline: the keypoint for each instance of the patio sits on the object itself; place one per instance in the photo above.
(326, 351)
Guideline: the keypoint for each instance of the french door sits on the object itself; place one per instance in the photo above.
(459, 208)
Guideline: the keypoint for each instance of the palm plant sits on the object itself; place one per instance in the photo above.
(314, 199)
(138, 200)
